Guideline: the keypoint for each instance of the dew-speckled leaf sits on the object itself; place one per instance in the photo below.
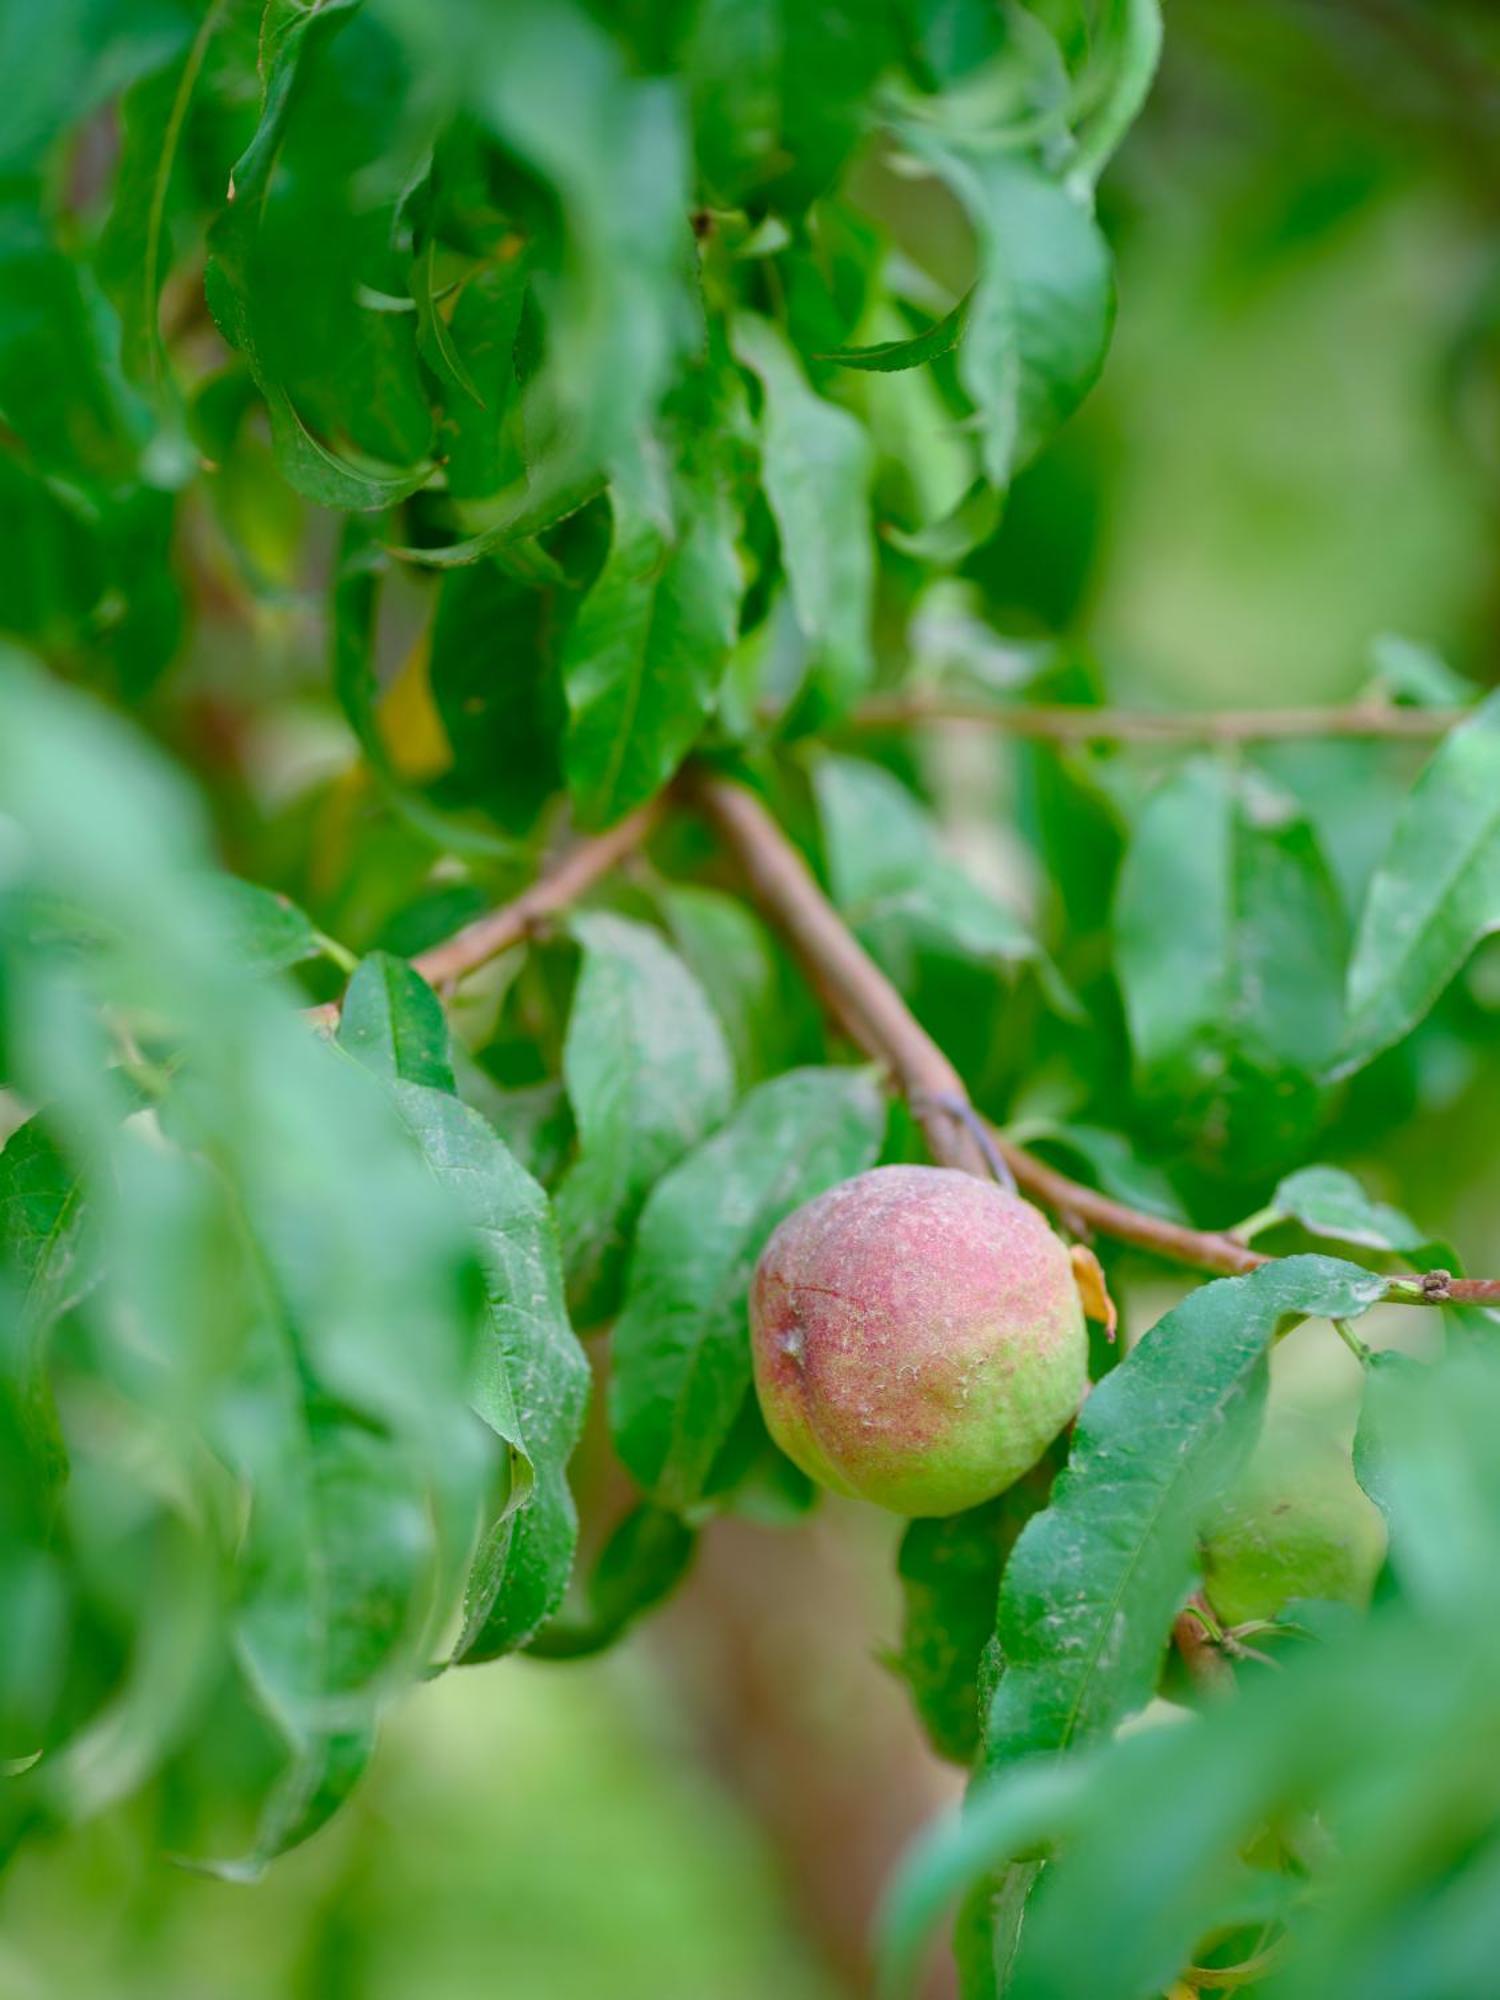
(531, 1379)
(1435, 894)
(1094, 1582)
(681, 1346)
(649, 1074)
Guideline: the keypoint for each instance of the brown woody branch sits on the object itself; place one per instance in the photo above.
(1055, 723)
(559, 885)
(873, 1014)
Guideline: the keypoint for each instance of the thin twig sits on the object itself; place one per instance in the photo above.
(558, 886)
(873, 1014)
(1055, 723)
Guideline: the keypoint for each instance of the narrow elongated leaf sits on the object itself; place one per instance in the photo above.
(1043, 308)
(1229, 943)
(888, 357)
(1390, 1378)
(681, 1345)
(609, 146)
(1094, 1583)
(649, 1073)
(651, 641)
(530, 1381)
(1434, 896)
(322, 1772)
(135, 248)
(815, 465)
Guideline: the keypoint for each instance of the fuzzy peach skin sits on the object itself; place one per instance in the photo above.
(918, 1338)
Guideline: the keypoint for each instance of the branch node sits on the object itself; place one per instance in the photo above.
(963, 1113)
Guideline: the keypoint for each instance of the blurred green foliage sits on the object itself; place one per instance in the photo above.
(682, 374)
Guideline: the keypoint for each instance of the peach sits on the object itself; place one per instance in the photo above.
(918, 1338)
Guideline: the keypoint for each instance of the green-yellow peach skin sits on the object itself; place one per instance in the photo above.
(918, 1338)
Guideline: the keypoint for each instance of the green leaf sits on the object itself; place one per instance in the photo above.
(816, 468)
(1229, 944)
(393, 1023)
(532, 1378)
(42, 1253)
(1132, 54)
(59, 391)
(1331, 1203)
(495, 683)
(135, 249)
(950, 1582)
(322, 1772)
(260, 928)
(887, 357)
(779, 93)
(649, 646)
(1043, 308)
(649, 1074)
(763, 1005)
(1106, 1159)
(1033, 1805)
(608, 145)
(1390, 1380)
(681, 1346)
(1094, 1583)
(283, 1290)
(642, 1563)
(1434, 896)
(255, 284)
(891, 878)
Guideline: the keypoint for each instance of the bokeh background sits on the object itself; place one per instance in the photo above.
(1291, 466)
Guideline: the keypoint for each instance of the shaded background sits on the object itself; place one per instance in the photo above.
(1295, 451)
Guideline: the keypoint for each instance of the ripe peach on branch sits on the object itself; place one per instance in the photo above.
(918, 1338)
